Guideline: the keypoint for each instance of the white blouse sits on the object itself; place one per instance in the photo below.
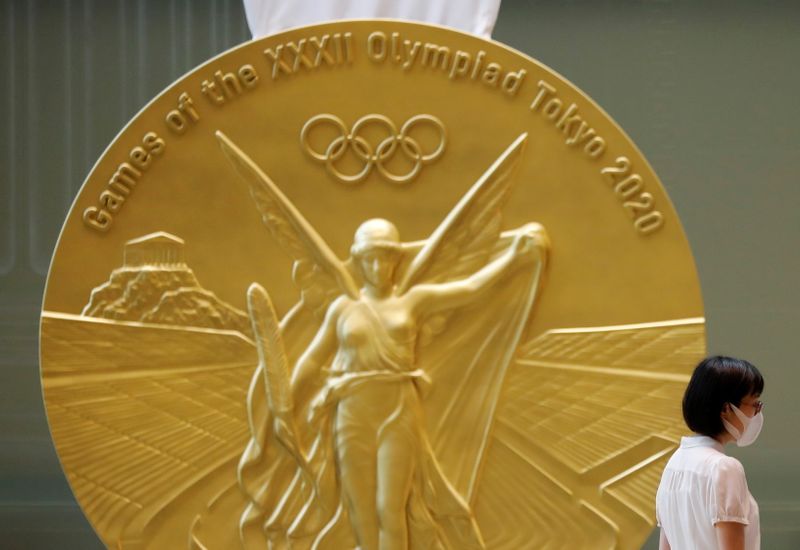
(701, 486)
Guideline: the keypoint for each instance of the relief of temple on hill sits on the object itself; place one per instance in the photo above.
(156, 285)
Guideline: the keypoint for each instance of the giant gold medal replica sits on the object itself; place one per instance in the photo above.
(370, 284)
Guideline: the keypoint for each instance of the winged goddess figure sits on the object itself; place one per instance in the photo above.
(372, 404)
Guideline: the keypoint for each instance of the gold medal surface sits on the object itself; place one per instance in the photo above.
(370, 284)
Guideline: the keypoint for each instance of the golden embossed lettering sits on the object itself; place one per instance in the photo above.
(460, 64)
(224, 87)
(248, 76)
(309, 54)
(595, 147)
(544, 88)
(623, 167)
(111, 200)
(492, 74)
(478, 62)
(180, 119)
(278, 64)
(348, 47)
(396, 48)
(649, 222)
(552, 108)
(411, 52)
(569, 122)
(642, 205)
(337, 47)
(228, 83)
(512, 81)
(456, 65)
(638, 203)
(98, 219)
(434, 55)
(125, 178)
(321, 44)
(122, 182)
(581, 135)
(376, 46)
(212, 93)
(629, 186)
(300, 57)
(153, 143)
(140, 158)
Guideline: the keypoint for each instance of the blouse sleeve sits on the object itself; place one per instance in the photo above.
(658, 518)
(730, 498)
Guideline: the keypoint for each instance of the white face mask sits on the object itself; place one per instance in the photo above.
(751, 427)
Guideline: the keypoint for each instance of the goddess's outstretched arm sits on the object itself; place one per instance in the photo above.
(429, 298)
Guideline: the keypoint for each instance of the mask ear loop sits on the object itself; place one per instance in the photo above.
(730, 428)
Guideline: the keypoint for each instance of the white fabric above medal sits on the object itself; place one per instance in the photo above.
(270, 16)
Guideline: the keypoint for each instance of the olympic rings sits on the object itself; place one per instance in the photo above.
(395, 140)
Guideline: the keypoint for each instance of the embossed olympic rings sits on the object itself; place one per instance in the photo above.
(377, 156)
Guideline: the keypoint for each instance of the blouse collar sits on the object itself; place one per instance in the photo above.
(687, 442)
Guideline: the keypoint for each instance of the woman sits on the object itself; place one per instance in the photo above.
(703, 501)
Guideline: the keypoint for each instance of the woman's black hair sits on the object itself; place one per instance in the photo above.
(718, 380)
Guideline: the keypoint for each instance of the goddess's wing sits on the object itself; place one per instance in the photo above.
(316, 268)
(464, 240)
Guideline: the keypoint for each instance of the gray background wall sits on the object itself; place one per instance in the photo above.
(708, 90)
